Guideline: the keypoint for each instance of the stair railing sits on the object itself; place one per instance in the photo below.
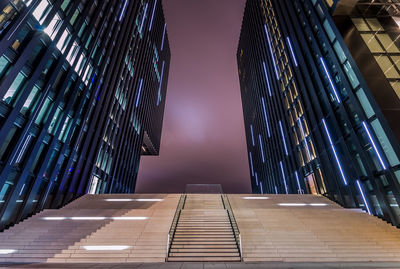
(172, 229)
(235, 228)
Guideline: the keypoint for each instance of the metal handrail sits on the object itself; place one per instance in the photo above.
(235, 227)
(172, 229)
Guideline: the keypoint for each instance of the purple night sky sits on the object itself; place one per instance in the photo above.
(203, 139)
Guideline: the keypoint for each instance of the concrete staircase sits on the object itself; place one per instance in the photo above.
(63, 235)
(204, 232)
(310, 228)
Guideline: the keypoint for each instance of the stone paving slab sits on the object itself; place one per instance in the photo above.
(198, 265)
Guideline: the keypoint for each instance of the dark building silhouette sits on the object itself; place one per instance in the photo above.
(82, 86)
(315, 119)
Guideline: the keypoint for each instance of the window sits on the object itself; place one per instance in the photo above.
(30, 100)
(63, 41)
(74, 16)
(384, 141)
(54, 122)
(14, 88)
(387, 43)
(374, 24)
(372, 43)
(362, 98)
(4, 64)
(41, 11)
(52, 29)
(43, 111)
(360, 24)
(387, 66)
(65, 4)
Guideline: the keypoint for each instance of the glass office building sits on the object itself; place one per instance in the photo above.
(315, 121)
(82, 87)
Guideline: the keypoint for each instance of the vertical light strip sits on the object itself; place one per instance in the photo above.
(251, 163)
(144, 17)
(330, 80)
(256, 178)
(363, 196)
(305, 139)
(159, 86)
(291, 51)
(261, 188)
(152, 15)
(267, 79)
(261, 148)
(283, 138)
(334, 152)
(21, 153)
(252, 135)
(139, 93)
(163, 37)
(276, 189)
(270, 49)
(123, 10)
(284, 177)
(374, 145)
(298, 181)
(266, 116)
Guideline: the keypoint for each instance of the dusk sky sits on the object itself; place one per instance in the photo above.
(203, 138)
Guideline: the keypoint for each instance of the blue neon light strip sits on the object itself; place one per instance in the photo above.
(334, 152)
(159, 86)
(252, 135)
(284, 177)
(266, 116)
(298, 181)
(305, 140)
(261, 148)
(123, 10)
(152, 15)
(270, 49)
(363, 196)
(374, 145)
(163, 36)
(276, 189)
(267, 79)
(256, 178)
(139, 93)
(144, 17)
(283, 138)
(261, 188)
(291, 51)
(330, 80)
(251, 163)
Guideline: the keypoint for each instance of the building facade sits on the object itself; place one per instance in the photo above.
(83, 86)
(314, 123)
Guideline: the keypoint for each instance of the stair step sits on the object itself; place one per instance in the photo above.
(204, 254)
(204, 250)
(204, 259)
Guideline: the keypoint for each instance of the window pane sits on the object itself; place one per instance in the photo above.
(384, 141)
(372, 43)
(15, 86)
(387, 66)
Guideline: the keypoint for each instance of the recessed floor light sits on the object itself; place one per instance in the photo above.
(318, 204)
(292, 204)
(129, 218)
(148, 200)
(7, 251)
(54, 218)
(88, 218)
(255, 198)
(105, 247)
(136, 200)
(119, 200)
